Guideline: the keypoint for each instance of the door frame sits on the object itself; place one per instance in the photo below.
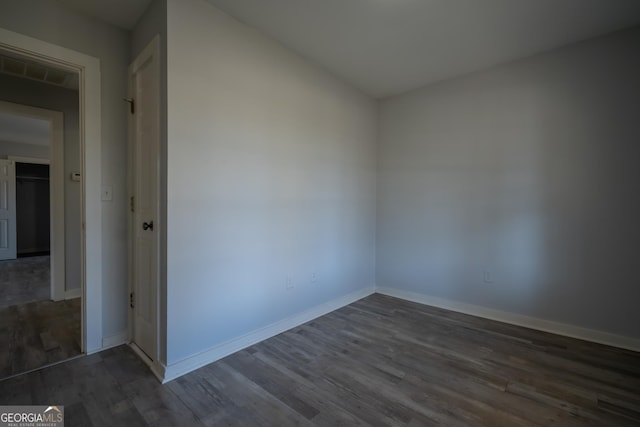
(152, 49)
(88, 68)
(56, 187)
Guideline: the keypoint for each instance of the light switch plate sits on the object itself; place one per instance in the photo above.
(107, 193)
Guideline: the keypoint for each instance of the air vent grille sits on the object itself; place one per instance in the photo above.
(12, 66)
(36, 71)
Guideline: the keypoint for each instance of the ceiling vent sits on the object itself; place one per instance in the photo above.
(33, 70)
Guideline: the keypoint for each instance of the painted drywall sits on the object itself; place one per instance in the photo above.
(10, 148)
(52, 22)
(271, 174)
(36, 94)
(151, 23)
(26, 130)
(529, 171)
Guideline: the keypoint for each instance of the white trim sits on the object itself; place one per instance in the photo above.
(88, 68)
(157, 369)
(92, 207)
(32, 160)
(56, 188)
(152, 50)
(130, 216)
(175, 370)
(557, 328)
(73, 293)
(115, 340)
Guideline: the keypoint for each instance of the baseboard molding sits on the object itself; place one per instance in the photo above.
(73, 293)
(558, 328)
(173, 371)
(115, 340)
(157, 368)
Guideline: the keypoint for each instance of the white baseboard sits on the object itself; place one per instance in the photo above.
(175, 370)
(157, 368)
(517, 319)
(115, 340)
(73, 293)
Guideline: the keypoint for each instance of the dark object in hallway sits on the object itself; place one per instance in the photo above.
(379, 361)
(32, 208)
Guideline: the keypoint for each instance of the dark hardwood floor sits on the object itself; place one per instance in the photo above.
(34, 331)
(37, 334)
(24, 280)
(380, 361)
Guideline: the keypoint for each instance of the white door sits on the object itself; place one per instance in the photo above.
(8, 230)
(145, 115)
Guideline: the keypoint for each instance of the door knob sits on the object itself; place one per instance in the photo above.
(147, 225)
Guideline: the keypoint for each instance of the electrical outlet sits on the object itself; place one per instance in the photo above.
(289, 283)
(487, 276)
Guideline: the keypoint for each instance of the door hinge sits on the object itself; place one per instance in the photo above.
(132, 203)
(132, 300)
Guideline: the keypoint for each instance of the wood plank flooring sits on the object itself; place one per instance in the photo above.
(24, 280)
(34, 331)
(380, 361)
(38, 334)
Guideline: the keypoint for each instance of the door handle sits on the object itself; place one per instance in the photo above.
(147, 225)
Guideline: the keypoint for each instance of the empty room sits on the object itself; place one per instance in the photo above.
(337, 212)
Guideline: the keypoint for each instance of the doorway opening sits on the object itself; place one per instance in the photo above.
(90, 257)
(40, 212)
(27, 278)
(33, 218)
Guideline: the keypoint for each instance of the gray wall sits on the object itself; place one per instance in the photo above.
(271, 173)
(9, 148)
(49, 21)
(36, 94)
(529, 170)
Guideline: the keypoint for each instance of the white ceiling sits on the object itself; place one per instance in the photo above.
(386, 47)
(23, 130)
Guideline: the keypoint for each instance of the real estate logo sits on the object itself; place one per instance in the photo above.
(31, 416)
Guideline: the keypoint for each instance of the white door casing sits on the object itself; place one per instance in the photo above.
(8, 241)
(144, 75)
(88, 68)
